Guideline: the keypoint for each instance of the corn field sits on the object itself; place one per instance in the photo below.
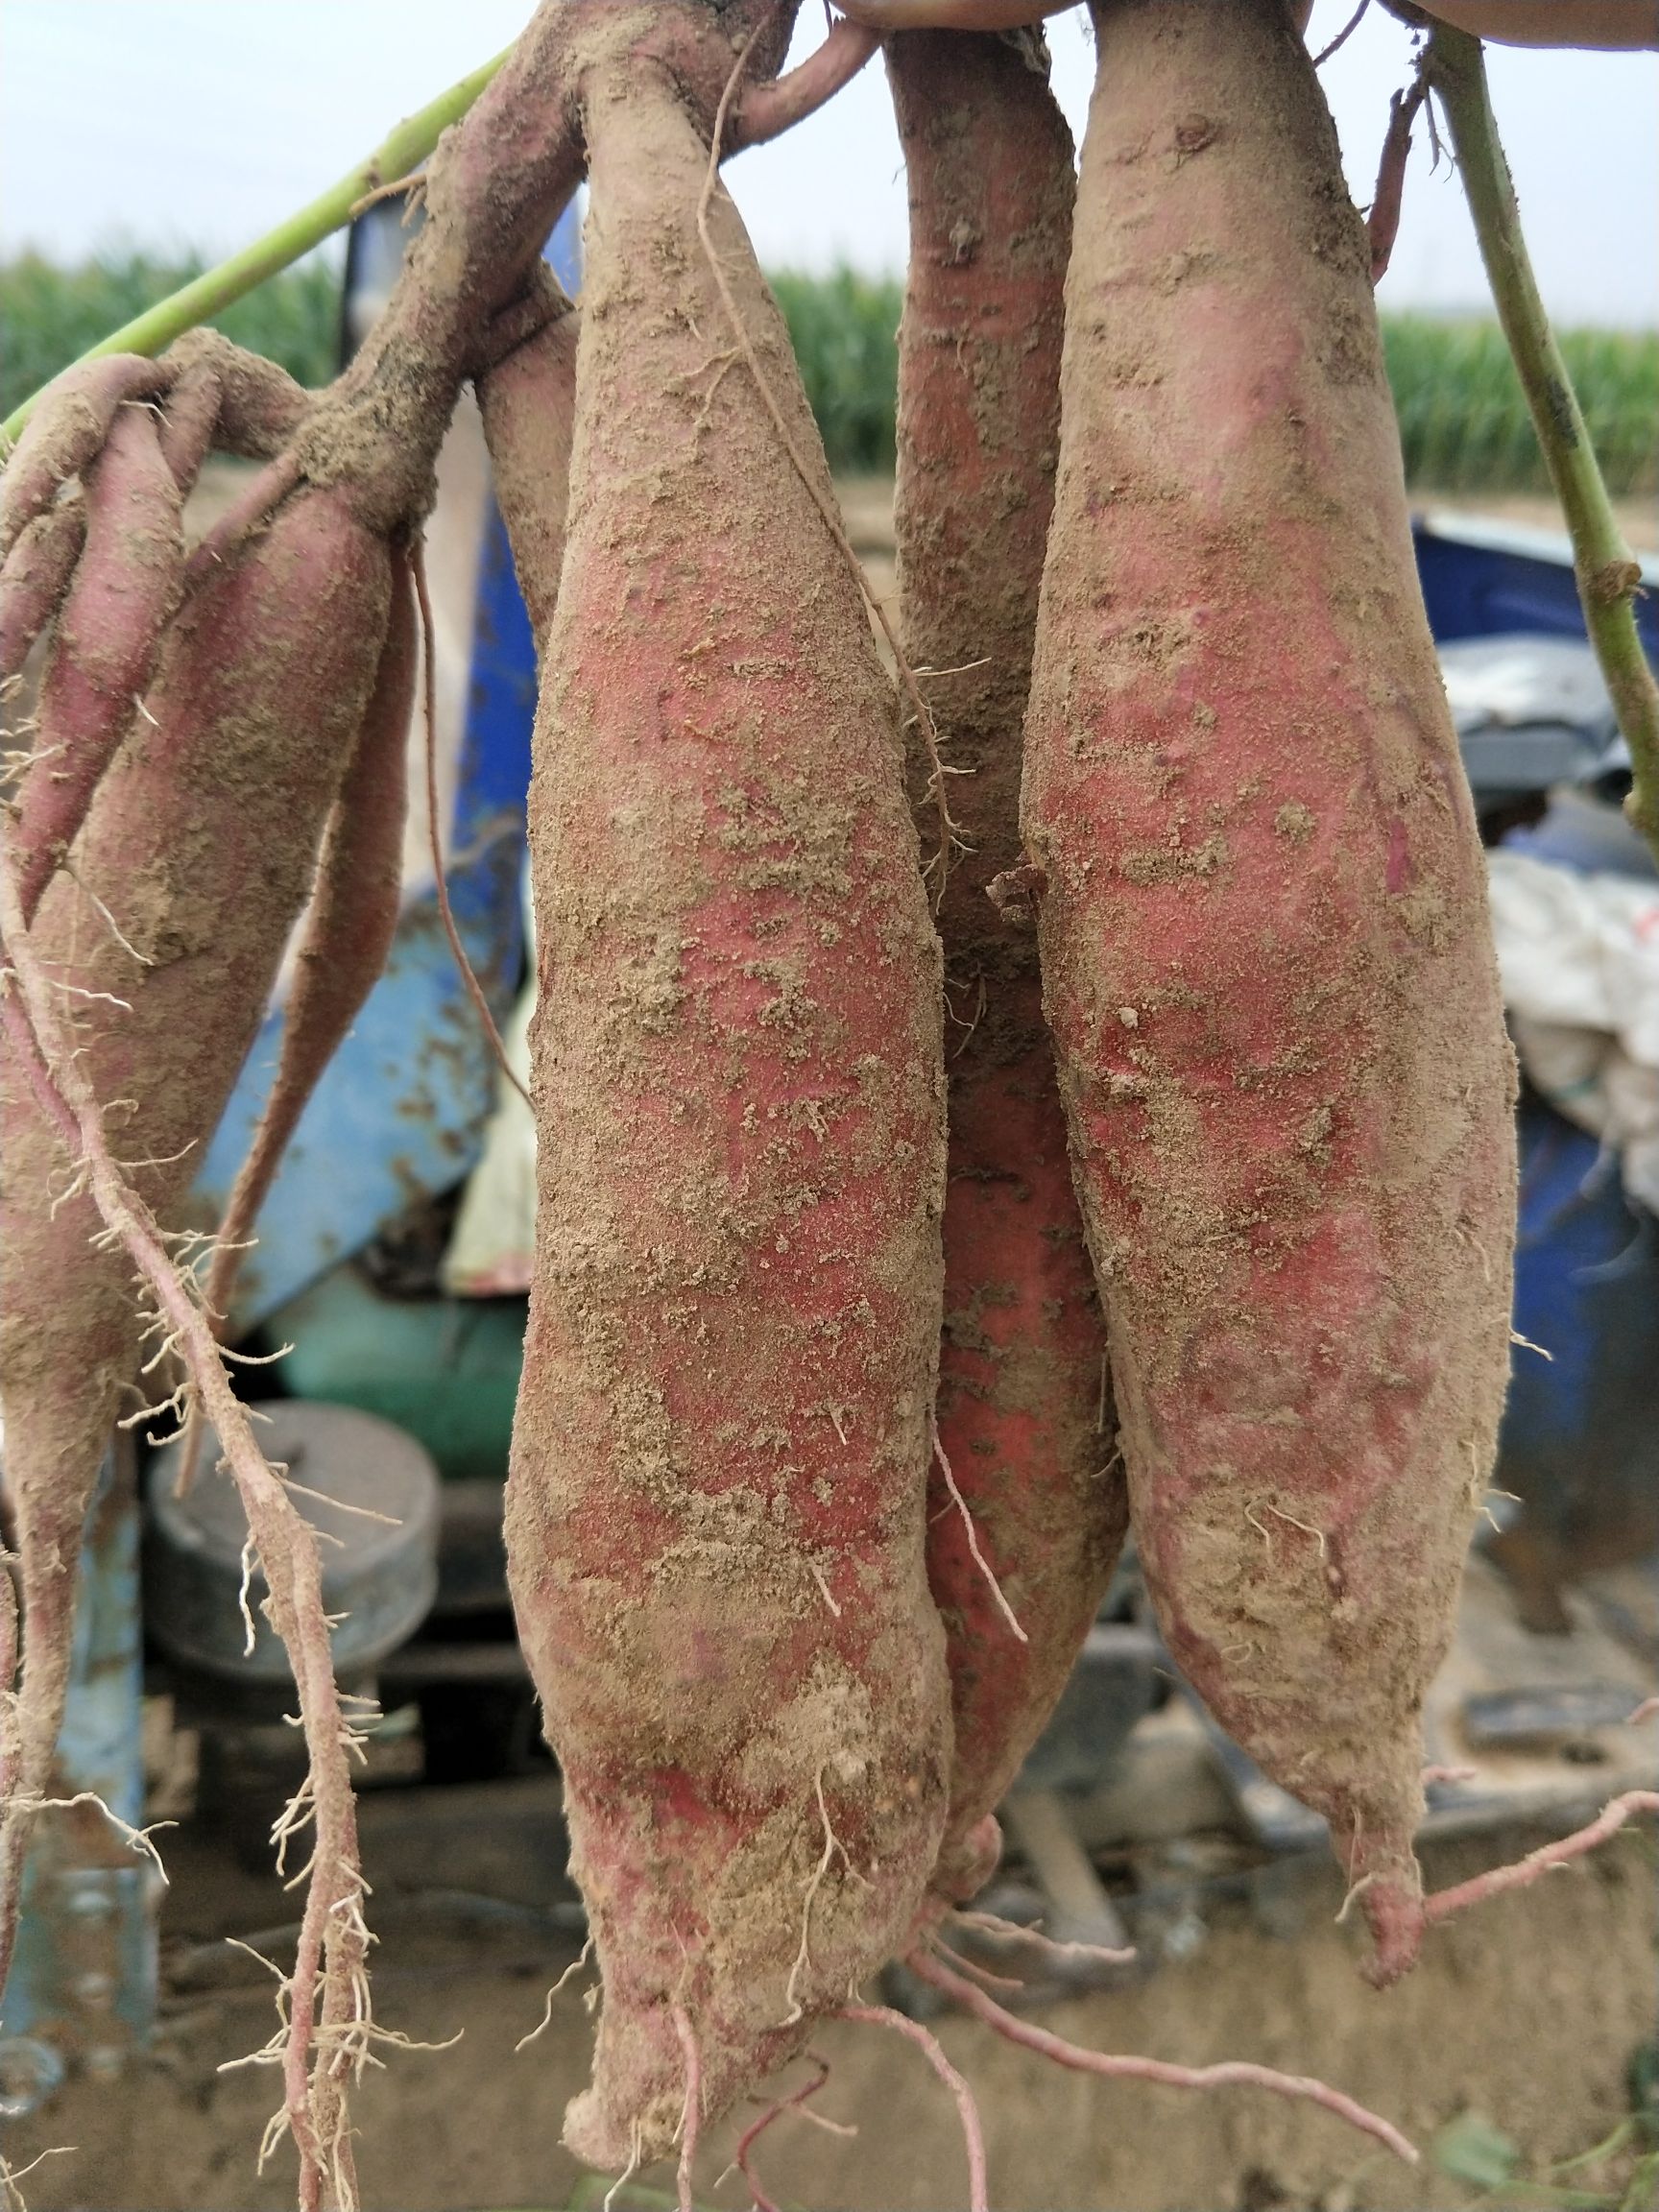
(1463, 420)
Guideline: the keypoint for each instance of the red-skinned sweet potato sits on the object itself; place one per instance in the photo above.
(1265, 951)
(1024, 1420)
(109, 632)
(528, 402)
(199, 844)
(350, 925)
(716, 1509)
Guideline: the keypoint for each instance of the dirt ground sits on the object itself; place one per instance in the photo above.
(1524, 2015)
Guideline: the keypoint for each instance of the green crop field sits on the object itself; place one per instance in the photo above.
(1462, 418)
(48, 313)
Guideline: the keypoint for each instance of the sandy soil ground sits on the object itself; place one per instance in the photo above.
(1525, 2016)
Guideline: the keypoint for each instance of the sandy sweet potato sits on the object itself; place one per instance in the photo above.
(349, 924)
(716, 1508)
(193, 863)
(1025, 1423)
(109, 632)
(1266, 951)
(528, 402)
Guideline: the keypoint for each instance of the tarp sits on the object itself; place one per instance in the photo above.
(1578, 954)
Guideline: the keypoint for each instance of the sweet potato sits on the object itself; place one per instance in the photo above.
(716, 1507)
(1266, 951)
(528, 402)
(192, 865)
(64, 439)
(109, 632)
(35, 578)
(349, 924)
(1022, 1421)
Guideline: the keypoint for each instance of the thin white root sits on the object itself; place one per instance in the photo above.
(979, 1559)
(636, 2158)
(803, 1958)
(135, 1838)
(11, 2195)
(547, 2020)
(326, 2030)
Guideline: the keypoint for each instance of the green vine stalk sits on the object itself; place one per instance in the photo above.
(1608, 576)
(401, 152)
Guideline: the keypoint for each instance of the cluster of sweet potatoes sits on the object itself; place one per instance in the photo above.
(1062, 1091)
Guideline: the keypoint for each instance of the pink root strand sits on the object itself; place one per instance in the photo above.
(753, 2133)
(1112, 2066)
(765, 111)
(883, 2016)
(1521, 1873)
(1002, 1931)
(326, 1990)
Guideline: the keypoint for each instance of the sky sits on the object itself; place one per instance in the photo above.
(172, 123)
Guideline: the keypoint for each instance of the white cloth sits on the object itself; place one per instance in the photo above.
(1578, 954)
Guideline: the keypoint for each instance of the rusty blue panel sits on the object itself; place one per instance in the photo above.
(400, 1112)
(82, 1990)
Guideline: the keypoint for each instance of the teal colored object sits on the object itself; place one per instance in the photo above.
(444, 1369)
(82, 1990)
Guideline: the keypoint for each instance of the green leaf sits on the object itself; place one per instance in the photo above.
(1469, 2148)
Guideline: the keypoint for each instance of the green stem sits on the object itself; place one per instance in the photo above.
(403, 149)
(1608, 577)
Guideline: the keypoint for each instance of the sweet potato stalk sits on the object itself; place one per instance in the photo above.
(1027, 1472)
(1267, 956)
(1609, 578)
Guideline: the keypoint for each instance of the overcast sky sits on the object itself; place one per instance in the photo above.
(203, 122)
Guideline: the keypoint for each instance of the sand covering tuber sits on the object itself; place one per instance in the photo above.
(1265, 951)
(715, 1507)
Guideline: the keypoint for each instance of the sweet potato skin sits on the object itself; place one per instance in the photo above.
(528, 402)
(351, 924)
(1024, 1419)
(1265, 951)
(105, 642)
(715, 1507)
